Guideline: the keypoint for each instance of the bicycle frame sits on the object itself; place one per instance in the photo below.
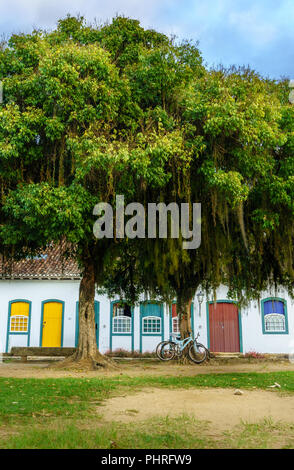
(182, 343)
(167, 350)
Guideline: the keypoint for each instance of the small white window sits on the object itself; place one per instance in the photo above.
(274, 322)
(121, 324)
(122, 314)
(175, 325)
(19, 323)
(119, 312)
(152, 325)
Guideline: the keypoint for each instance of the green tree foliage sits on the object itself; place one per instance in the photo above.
(84, 119)
(237, 132)
(91, 112)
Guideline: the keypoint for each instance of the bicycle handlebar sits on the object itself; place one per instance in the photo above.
(175, 335)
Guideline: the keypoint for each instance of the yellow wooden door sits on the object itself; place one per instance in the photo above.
(52, 324)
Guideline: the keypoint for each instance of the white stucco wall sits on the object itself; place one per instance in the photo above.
(37, 291)
(253, 338)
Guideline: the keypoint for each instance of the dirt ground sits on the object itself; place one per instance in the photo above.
(138, 368)
(219, 407)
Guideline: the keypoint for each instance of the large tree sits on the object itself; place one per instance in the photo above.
(88, 113)
(93, 112)
(237, 143)
(240, 128)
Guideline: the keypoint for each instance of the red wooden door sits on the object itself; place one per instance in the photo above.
(224, 327)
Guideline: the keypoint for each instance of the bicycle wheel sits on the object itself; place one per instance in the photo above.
(167, 351)
(158, 348)
(198, 354)
(208, 356)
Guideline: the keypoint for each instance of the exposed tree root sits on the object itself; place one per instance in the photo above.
(98, 362)
(184, 360)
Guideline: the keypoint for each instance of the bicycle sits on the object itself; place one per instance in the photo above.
(167, 350)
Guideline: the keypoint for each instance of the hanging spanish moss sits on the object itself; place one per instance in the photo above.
(118, 109)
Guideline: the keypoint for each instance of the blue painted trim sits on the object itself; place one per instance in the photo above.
(8, 333)
(207, 325)
(240, 331)
(111, 334)
(147, 314)
(97, 322)
(279, 299)
(77, 325)
(42, 315)
(239, 320)
(171, 319)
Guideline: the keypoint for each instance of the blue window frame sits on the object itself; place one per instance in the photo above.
(274, 316)
(18, 321)
(151, 320)
(121, 321)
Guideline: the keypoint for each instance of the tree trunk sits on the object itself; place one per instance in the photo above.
(87, 354)
(185, 318)
(87, 336)
(184, 315)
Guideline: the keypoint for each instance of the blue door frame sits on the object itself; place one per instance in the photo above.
(148, 313)
(42, 316)
(111, 324)
(97, 317)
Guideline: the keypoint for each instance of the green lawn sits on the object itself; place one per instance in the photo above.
(62, 413)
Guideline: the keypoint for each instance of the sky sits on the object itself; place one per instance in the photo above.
(258, 33)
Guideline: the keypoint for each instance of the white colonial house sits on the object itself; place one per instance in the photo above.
(39, 307)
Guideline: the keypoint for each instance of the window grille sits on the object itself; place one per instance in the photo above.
(175, 325)
(19, 323)
(274, 322)
(152, 325)
(274, 316)
(121, 324)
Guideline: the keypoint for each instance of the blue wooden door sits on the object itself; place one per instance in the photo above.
(151, 325)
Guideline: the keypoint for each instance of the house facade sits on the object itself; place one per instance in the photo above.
(39, 307)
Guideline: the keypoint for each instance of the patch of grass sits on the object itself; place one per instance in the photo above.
(266, 434)
(59, 413)
(235, 380)
(182, 432)
(23, 398)
(73, 396)
(164, 433)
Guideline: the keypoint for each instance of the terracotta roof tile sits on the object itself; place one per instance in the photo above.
(51, 263)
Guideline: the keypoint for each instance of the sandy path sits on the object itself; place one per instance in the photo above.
(219, 407)
(137, 368)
